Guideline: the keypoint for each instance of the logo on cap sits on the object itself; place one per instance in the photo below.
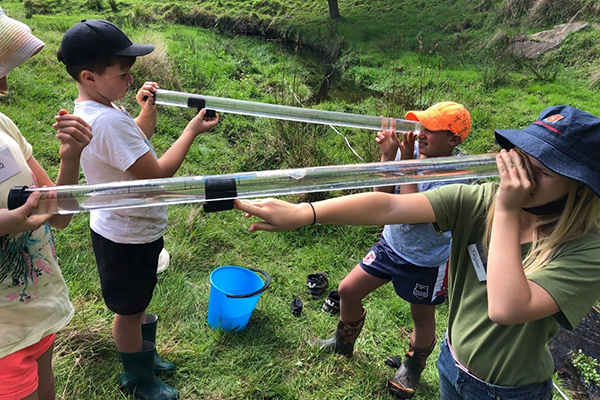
(553, 118)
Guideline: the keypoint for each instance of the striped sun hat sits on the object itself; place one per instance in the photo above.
(17, 44)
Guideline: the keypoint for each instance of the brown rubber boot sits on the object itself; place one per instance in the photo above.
(343, 340)
(407, 378)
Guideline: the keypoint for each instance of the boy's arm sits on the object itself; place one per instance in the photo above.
(407, 152)
(147, 118)
(148, 167)
(388, 143)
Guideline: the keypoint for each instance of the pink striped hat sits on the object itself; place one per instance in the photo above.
(17, 44)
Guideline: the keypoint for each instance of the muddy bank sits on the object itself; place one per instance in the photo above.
(254, 25)
(587, 338)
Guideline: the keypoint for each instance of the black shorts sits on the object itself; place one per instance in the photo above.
(127, 273)
(415, 284)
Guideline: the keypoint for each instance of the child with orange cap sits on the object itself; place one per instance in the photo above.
(413, 257)
(34, 301)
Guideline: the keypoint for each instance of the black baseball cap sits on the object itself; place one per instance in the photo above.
(92, 39)
(565, 139)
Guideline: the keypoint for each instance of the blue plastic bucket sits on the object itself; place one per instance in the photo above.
(234, 292)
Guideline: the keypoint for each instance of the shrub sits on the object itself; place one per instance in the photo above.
(586, 366)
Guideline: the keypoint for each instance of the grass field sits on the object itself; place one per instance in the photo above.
(418, 53)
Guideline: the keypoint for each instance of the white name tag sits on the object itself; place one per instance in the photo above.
(479, 260)
(8, 164)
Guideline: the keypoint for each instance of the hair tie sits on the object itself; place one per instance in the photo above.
(314, 213)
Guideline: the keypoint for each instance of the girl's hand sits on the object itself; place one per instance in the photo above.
(278, 215)
(517, 180)
(145, 96)
(201, 123)
(20, 220)
(74, 134)
(388, 140)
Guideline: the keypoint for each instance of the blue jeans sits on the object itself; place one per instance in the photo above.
(456, 384)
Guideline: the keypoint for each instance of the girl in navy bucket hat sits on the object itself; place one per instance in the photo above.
(524, 257)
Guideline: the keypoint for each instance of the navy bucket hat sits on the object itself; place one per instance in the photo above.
(93, 39)
(564, 139)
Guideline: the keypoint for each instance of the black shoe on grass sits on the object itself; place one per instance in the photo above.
(332, 303)
(317, 284)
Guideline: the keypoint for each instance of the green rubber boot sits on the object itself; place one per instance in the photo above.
(161, 367)
(138, 376)
(343, 340)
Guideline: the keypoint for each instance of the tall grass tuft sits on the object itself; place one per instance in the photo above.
(142, 13)
(156, 66)
(545, 13)
(595, 79)
(28, 5)
(114, 7)
(94, 5)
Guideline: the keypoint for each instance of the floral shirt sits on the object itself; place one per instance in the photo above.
(34, 300)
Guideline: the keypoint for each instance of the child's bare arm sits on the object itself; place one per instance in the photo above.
(148, 167)
(360, 209)
(512, 298)
(407, 151)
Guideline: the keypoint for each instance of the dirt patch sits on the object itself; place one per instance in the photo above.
(532, 46)
(587, 338)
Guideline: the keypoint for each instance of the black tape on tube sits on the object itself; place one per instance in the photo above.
(200, 103)
(218, 188)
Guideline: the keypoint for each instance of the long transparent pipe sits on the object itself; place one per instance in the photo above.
(168, 191)
(220, 104)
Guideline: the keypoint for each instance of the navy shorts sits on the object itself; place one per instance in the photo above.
(415, 284)
(127, 273)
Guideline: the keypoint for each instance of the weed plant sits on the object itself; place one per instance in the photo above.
(586, 366)
(418, 53)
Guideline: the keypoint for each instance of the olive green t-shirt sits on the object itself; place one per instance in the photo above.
(508, 355)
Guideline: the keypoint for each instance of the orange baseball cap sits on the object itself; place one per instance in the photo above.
(444, 116)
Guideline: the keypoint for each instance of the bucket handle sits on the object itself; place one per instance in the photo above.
(259, 291)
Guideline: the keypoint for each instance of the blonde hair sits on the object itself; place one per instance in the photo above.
(580, 215)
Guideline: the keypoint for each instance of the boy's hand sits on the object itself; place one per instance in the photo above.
(201, 123)
(145, 96)
(407, 146)
(74, 134)
(20, 220)
(388, 140)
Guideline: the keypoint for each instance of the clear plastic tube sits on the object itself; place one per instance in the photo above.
(256, 109)
(168, 191)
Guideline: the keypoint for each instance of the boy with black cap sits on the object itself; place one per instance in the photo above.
(127, 242)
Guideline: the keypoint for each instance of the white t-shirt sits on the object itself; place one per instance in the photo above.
(117, 144)
(34, 299)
